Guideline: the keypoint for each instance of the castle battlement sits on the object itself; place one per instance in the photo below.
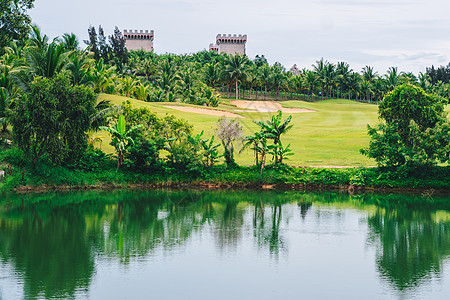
(229, 43)
(213, 47)
(231, 38)
(138, 34)
(139, 39)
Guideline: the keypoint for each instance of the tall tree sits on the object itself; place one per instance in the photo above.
(343, 73)
(92, 42)
(53, 119)
(117, 42)
(415, 131)
(237, 68)
(14, 21)
(319, 69)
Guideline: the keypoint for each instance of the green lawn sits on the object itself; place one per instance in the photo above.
(332, 135)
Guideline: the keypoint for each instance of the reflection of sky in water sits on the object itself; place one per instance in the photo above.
(289, 251)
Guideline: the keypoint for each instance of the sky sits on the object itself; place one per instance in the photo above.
(408, 34)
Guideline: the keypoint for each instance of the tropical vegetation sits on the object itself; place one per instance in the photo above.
(50, 115)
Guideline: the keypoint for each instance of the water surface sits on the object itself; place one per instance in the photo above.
(224, 245)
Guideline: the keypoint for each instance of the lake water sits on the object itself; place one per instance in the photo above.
(224, 245)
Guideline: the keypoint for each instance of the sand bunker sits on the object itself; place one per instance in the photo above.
(266, 106)
(205, 111)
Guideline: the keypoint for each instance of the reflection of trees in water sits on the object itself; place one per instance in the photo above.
(227, 225)
(266, 227)
(304, 207)
(53, 244)
(51, 252)
(136, 228)
(411, 246)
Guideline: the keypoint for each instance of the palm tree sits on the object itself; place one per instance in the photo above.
(409, 77)
(147, 68)
(253, 78)
(8, 93)
(237, 69)
(278, 78)
(79, 67)
(44, 59)
(310, 79)
(120, 137)
(296, 84)
(102, 75)
(265, 78)
(70, 41)
(392, 78)
(212, 74)
(128, 85)
(369, 74)
(343, 73)
(142, 92)
(329, 76)
(379, 88)
(424, 81)
(353, 84)
(366, 89)
(319, 69)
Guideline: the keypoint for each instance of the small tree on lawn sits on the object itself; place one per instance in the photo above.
(273, 129)
(228, 132)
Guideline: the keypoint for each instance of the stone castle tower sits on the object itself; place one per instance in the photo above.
(229, 44)
(139, 40)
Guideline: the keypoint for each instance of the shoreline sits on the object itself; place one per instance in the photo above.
(351, 189)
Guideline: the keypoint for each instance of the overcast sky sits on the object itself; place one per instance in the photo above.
(408, 34)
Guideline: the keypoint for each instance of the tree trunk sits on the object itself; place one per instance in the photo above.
(263, 161)
(120, 159)
(237, 90)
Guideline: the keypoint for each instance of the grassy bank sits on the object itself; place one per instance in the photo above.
(47, 178)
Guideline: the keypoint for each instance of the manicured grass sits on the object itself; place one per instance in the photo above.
(331, 136)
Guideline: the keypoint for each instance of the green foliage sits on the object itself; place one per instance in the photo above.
(120, 137)
(273, 129)
(408, 103)
(210, 151)
(168, 133)
(144, 154)
(415, 133)
(91, 160)
(53, 119)
(14, 21)
(8, 94)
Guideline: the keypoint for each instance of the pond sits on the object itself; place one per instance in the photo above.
(190, 244)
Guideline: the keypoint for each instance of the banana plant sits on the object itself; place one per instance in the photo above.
(279, 152)
(120, 138)
(211, 151)
(274, 128)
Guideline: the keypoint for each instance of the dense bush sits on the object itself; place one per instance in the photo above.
(53, 119)
(415, 132)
